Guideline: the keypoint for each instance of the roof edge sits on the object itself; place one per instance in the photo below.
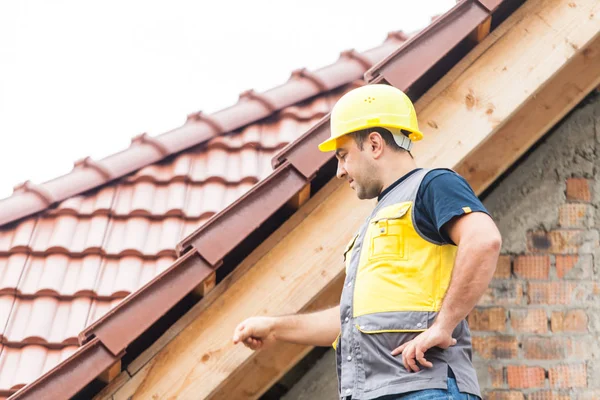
(71, 375)
(443, 34)
(226, 230)
(87, 174)
(144, 307)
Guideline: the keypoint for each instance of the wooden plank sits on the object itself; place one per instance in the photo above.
(467, 61)
(127, 391)
(111, 373)
(471, 109)
(206, 286)
(540, 113)
(300, 198)
(271, 364)
(482, 30)
(107, 392)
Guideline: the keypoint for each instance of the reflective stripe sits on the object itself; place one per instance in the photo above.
(390, 330)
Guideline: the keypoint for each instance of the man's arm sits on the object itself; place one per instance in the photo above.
(316, 329)
(479, 243)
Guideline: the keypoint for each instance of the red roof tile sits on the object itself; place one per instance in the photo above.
(60, 275)
(16, 238)
(6, 304)
(47, 320)
(21, 365)
(100, 203)
(100, 308)
(112, 226)
(69, 234)
(11, 268)
(122, 276)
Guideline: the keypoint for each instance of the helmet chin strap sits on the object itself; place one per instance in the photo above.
(403, 141)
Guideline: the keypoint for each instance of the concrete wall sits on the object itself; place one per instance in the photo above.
(537, 329)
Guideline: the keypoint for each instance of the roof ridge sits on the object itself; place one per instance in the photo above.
(29, 198)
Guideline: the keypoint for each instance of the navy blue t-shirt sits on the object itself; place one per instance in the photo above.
(443, 195)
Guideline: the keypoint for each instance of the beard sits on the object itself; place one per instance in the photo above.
(367, 185)
(365, 193)
(367, 188)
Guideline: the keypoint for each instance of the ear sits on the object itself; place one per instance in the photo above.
(375, 144)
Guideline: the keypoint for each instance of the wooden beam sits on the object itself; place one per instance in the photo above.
(107, 392)
(459, 69)
(537, 116)
(111, 373)
(474, 104)
(127, 391)
(300, 198)
(206, 286)
(471, 112)
(482, 30)
(271, 364)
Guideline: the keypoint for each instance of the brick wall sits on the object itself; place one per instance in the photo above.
(536, 331)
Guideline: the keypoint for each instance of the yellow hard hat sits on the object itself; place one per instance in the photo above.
(373, 106)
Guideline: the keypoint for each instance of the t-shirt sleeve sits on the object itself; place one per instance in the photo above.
(443, 195)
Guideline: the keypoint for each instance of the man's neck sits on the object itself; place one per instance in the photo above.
(397, 171)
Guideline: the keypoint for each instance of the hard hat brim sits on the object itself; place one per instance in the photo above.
(328, 145)
(331, 143)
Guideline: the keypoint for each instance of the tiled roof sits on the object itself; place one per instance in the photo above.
(29, 198)
(88, 239)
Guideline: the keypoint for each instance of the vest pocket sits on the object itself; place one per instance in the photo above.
(388, 233)
(395, 321)
(381, 333)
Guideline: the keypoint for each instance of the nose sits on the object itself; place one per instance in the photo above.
(341, 172)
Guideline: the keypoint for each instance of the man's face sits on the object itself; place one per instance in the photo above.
(358, 167)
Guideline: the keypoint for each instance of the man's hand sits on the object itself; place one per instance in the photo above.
(416, 348)
(255, 332)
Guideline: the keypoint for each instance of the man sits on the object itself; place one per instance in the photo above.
(414, 270)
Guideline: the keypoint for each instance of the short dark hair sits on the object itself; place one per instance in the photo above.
(361, 135)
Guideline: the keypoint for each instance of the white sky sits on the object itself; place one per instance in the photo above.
(80, 78)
